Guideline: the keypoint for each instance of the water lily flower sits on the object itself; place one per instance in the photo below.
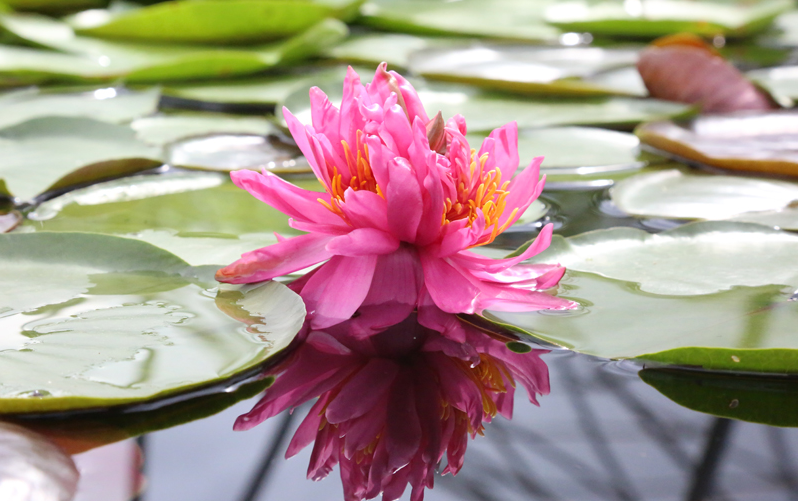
(405, 199)
(392, 405)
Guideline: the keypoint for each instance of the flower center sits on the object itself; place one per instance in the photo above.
(477, 190)
(357, 175)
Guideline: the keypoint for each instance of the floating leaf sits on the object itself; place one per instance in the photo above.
(108, 105)
(486, 110)
(142, 62)
(685, 69)
(749, 141)
(786, 30)
(679, 194)
(781, 83)
(748, 329)
(51, 153)
(506, 19)
(163, 129)
(55, 6)
(395, 49)
(576, 71)
(756, 399)
(698, 258)
(165, 210)
(209, 21)
(653, 18)
(228, 152)
(112, 321)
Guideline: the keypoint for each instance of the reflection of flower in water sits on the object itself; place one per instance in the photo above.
(391, 404)
(406, 197)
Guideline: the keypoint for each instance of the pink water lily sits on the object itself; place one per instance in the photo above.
(393, 404)
(405, 199)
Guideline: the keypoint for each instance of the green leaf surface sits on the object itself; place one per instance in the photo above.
(751, 141)
(504, 19)
(694, 259)
(202, 217)
(756, 399)
(164, 129)
(54, 6)
(229, 152)
(49, 153)
(207, 21)
(485, 111)
(665, 17)
(94, 320)
(744, 329)
(680, 194)
(567, 71)
(395, 49)
(781, 82)
(151, 62)
(108, 105)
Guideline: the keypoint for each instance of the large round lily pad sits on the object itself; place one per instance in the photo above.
(534, 70)
(485, 110)
(718, 296)
(749, 141)
(93, 320)
(229, 152)
(679, 194)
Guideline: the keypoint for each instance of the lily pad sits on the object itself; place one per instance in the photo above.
(51, 153)
(165, 210)
(756, 399)
(600, 151)
(653, 18)
(229, 152)
(54, 6)
(94, 320)
(579, 71)
(748, 141)
(744, 329)
(210, 21)
(393, 48)
(781, 83)
(505, 19)
(164, 129)
(143, 62)
(694, 259)
(485, 110)
(110, 104)
(679, 194)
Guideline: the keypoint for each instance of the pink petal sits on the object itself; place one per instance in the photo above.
(365, 209)
(398, 278)
(363, 242)
(404, 201)
(477, 262)
(402, 428)
(306, 432)
(447, 286)
(504, 150)
(363, 391)
(337, 289)
(304, 141)
(276, 260)
(524, 189)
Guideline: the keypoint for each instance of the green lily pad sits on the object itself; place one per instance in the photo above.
(505, 19)
(785, 30)
(694, 259)
(108, 105)
(600, 151)
(51, 153)
(20, 66)
(94, 320)
(229, 152)
(569, 71)
(531, 216)
(780, 82)
(748, 141)
(756, 399)
(679, 194)
(745, 329)
(642, 18)
(165, 211)
(143, 62)
(485, 110)
(395, 49)
(210, 21)
(164, 129)
(54, 6)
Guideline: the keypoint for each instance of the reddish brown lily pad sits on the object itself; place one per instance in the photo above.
(683, 68)
(9, 221)
(747, 141)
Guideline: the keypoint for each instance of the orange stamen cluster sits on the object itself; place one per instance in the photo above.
(359, 176)
(489, 376)
(478, 191)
